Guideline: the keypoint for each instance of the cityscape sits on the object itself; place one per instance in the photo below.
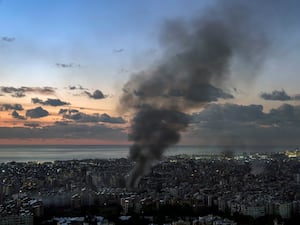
(254, 188)
(161, 112)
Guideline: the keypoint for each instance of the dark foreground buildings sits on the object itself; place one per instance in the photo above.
(247, 189)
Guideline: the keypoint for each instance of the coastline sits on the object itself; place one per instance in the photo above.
(68, 152)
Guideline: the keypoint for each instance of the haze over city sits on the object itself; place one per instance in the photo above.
(71, 70)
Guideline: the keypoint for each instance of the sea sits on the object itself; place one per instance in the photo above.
(69, 152)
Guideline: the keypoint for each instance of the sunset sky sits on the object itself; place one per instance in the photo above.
(64, 64)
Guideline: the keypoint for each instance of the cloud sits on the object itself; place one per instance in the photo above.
(32, 125)
(218, 115)
(16, 115)
(20, 92)
(69, 65)
(108, 119)
(96, 95)
(9, 89)
(231, 124)
(61, 123)
(284, 116)
(7, 107)
(49, 101)
(296, 97)
(229, 112)
(278, 96)
(77, 116)
(208, 93)
(18, 95)
(219, 124)
(59, 130)
(43, 90)
(78, 87)
(69, 111)
(119, 50)
(37, 113)
(37, 101)
(8, 39)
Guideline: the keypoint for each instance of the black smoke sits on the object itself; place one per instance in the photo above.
(153, 130)
(196, 61)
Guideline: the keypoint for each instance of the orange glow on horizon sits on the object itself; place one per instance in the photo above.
(60, 141)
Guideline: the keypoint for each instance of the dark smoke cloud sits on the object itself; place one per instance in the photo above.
(49, 101)
(278, 96)
(157, 130)
(196, 61)
(37, 112)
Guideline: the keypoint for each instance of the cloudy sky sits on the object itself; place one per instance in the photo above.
(65, 65)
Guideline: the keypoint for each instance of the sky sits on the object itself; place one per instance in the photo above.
(65, 66)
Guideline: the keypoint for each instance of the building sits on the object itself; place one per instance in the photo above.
(284, 210)
(254, 211)
(17, 220)
(125, 205)
(213, 220)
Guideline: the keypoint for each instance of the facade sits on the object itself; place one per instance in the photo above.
(284, 210)
(254, 211)
(17, 220)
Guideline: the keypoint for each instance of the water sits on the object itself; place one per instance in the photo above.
(52, 153)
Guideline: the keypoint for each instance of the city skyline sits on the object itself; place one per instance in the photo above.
(65, 66)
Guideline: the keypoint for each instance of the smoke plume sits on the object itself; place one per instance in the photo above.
(196, 61)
